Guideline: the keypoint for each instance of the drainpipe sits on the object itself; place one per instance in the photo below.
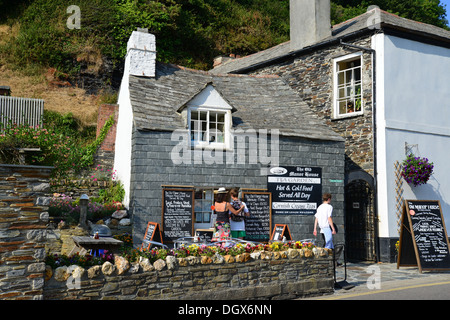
(374, 136)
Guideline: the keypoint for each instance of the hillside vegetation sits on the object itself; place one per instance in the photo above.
(40, 53)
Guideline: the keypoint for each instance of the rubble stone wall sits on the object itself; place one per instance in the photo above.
(278, 276)
(22, 231)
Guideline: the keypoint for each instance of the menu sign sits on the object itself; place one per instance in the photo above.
(258, 225)
(177, 215)
(423, 227)
(295, 190)
(152, 233)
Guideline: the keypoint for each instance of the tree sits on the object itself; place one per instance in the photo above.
(426, 11)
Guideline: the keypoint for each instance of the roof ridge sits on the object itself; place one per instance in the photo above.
(208, 73)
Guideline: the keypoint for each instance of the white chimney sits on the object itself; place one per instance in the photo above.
(141, 53)
(309, 22)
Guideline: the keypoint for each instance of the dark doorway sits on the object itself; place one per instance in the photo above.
(359, 221)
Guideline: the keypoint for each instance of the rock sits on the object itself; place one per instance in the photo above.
(182, 262)
(308, 253)
(44, 217)
(229, 258)
(283, 254)
(62, 225)
(113, 223)
(255, 255)
(244, 257)
(122, 264)
(276, 255)
(125, 222)
(94, 271)
(192, 260)
(205, 260)
(159, 264)
(108, 268)
(78, 272)
(48, 273)
(171, 262)
(292, 253)
(61, 274)
(134, 268)
(218, 259)
(145, 264)
(119, 214)
(266, 255)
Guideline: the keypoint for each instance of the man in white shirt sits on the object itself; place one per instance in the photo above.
(323, 219)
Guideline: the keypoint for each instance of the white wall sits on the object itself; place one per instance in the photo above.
(140, 61)
(413, 107)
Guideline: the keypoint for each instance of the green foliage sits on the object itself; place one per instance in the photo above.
(188, 32)
(84, 261)
(426, 11)
(60, 141)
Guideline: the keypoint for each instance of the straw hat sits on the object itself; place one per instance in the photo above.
(222, 190)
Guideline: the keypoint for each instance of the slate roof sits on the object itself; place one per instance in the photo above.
(365, 23)
(261, 102)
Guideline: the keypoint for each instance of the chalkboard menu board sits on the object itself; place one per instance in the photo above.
(152, 233)
(258, 225)
(423, 237)
(177, 213)
(280, 231)
(295, 190)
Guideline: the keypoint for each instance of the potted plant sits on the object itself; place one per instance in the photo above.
(416, 170)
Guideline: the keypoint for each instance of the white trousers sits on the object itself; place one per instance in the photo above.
(327, 232)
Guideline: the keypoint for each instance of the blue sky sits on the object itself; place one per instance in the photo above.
(447, 3)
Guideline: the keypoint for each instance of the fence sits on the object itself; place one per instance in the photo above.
(21, 111)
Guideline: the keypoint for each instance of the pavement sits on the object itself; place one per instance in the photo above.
(365, 280)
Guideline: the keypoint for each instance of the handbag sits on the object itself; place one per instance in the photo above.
(236, 218)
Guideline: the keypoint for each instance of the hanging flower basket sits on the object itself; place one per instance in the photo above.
(416, 170)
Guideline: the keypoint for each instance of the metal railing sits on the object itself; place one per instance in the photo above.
(21, 111)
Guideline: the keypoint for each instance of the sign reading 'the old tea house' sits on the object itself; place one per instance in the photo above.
(295, 190)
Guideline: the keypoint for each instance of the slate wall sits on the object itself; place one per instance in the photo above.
(311, 75)
(22, 231)
(152, 166)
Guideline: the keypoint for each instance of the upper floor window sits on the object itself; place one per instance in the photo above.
(348, 85)
(209, 119)
(208, 127)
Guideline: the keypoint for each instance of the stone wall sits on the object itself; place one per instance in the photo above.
(153, 167)
(76, 187)
(311, 75)
(268, 275)
(22, 231)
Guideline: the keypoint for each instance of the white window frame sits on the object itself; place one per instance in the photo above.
(227, 126)
(336, 114)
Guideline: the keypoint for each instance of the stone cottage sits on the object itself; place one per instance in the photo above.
(192, 129)
(372, 79)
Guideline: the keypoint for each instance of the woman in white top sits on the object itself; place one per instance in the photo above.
(323, 219)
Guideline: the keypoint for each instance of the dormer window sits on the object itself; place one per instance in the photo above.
(207, 126)
(209, 120)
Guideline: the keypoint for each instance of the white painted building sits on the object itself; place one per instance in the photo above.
(413, 109)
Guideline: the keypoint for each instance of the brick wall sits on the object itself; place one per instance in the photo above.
(22, 231)
(105, 153)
